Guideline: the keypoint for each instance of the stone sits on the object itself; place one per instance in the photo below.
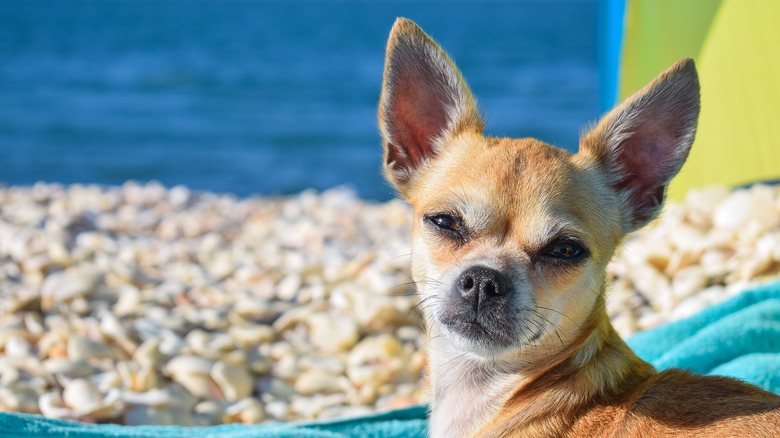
(234, 380)
(248, 335)
(332, 333)
(81, 395)
(82, 348)
(247, 411)
(320, 381)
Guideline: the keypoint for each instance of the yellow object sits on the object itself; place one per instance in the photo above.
(736, 45)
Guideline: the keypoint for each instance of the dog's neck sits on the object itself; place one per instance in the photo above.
(489, 396)
(468, 390)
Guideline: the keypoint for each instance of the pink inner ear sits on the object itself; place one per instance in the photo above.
(648, 159)
(419, 115)
(642, 157)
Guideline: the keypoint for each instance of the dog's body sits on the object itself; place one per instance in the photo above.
(510, 245)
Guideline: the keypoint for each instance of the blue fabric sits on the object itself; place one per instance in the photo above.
(402, 423)
(610, 20)
(738, 338)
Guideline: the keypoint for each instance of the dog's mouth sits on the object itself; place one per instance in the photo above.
(492, 335)
(497, 335)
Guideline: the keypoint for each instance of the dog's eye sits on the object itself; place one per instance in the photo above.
(564, 250)
(448, 225)
(446, 222)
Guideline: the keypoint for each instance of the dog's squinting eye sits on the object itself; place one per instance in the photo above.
(564, 250)
(445, 221)
(446, 224)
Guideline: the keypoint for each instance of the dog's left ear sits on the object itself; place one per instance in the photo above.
(643, 142)
(424, 101)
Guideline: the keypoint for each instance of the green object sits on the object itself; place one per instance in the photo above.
(736, 45)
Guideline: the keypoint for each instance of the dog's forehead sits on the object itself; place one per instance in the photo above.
(536, 167)
(502, 172)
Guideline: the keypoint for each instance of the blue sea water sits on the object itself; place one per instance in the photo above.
(266, 97)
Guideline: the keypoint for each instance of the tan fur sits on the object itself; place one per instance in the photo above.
(522, 346)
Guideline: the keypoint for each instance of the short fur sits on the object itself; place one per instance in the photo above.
(510, 245)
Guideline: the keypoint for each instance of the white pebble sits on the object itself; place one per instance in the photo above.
(247, 411)
(332, 332)
(320, 381)
(234, 380)
(81, 395)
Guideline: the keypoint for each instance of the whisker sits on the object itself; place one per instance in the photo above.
(556, 311)
(443, 365)
(430, 339)
(400, 256)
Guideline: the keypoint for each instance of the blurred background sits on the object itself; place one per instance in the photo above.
(269, 98)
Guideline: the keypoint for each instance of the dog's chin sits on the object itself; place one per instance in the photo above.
(468, 344)
(474, 337)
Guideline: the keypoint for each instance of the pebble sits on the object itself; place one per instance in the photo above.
(192, 372)
(83, 348)
(248, 335)
(320, 381)
(375, 349)
(247, 411)
(210, 411)
(51, 405)
(234, 380)
(278, 410)
(331, 332)
(152, 397)
(81, 395)
(145, 305)
(145, 415)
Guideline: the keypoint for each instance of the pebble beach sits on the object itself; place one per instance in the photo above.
(141, 304)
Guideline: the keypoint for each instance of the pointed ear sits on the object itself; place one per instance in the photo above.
(424, 101)
(644, 141)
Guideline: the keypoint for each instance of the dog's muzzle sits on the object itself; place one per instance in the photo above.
(479, 285)
(479, 309)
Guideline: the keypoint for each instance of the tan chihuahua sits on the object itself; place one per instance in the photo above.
(510, 246)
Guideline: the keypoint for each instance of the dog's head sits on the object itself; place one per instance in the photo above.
(512, 236)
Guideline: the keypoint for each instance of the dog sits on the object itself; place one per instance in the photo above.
(510, 244)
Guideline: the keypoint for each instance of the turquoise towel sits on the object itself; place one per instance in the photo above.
(738, 338)
(402, 423)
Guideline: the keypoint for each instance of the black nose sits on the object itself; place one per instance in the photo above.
(479, 284)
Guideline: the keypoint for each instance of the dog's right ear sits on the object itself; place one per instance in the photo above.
(644, 141)
(424, 102)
